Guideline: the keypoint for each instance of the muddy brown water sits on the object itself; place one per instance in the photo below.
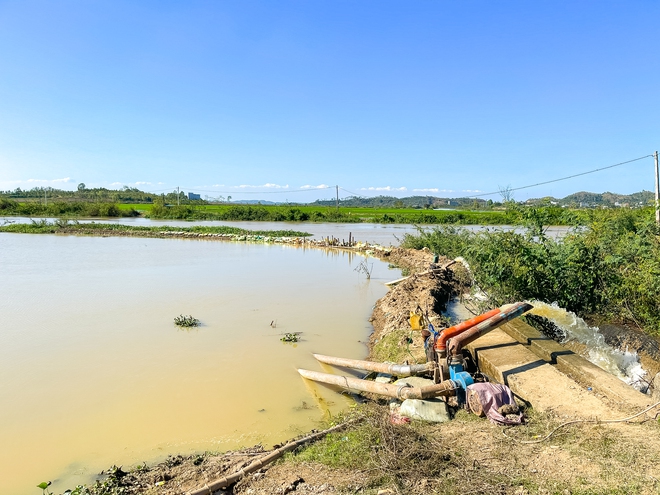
(93, 372)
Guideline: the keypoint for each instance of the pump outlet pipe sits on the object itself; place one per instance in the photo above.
(448, 333)
(455, 345)
(392, 369)
(402, 392)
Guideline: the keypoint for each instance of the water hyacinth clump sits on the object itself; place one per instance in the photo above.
(186, 321)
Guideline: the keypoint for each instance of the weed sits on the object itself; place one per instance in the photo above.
(186, 321)
(364, 268)
(291, 337)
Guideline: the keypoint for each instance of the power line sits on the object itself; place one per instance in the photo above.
(349, 192)
(563, 178)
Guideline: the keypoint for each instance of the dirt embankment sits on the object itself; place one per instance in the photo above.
(426, 291)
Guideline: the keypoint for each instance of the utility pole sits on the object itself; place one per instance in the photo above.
(657, 190)
(337, 202)
(178, 196)
(46, 198)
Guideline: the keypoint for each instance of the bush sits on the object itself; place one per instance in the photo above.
(610, 266)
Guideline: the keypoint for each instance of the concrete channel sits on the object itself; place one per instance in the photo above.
(550, 376)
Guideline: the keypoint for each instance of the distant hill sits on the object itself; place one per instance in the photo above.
(586, 199)
(254, 202)
(581, 199)
(394, 202)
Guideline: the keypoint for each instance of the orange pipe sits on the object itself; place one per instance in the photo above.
(448, 333)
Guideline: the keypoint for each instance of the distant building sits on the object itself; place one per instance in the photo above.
(194, 196)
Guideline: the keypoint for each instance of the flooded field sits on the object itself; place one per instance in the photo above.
(93, 372)
(374, 233)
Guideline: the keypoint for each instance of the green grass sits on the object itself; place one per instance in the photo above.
(68, 227)
(325, 214)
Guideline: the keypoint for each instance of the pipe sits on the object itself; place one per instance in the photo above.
(509, 312)
(448, 333)
(392, 369)
(397, 391)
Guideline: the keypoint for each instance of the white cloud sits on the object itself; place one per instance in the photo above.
(267, 186)
(115, 184)
(386, 188)
(46, 181)
(472, 190)
(142, 183)
(320, 186)
(433, 189)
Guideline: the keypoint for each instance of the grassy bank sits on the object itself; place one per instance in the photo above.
(609, 266)
(75, 228)
(65, 208)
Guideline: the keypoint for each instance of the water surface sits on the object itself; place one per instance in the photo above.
(93, 371)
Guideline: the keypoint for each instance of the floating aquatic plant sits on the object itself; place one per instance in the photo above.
(187, 321)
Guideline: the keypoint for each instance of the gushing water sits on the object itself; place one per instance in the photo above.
(622, 364)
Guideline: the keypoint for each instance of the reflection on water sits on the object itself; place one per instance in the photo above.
(93, 371)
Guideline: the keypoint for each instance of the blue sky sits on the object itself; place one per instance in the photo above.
(274, 99)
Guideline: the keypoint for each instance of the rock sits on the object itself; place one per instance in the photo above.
(383, 378)
(433, 410)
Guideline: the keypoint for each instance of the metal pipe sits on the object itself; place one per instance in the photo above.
(510, 312)
(448, 333)
(397, 391)
(392, 369)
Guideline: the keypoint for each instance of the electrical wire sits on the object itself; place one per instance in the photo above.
(286, 191)
(562, 178)
(622, 420)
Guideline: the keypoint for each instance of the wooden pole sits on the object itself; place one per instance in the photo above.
(657, 190)
(261, 462)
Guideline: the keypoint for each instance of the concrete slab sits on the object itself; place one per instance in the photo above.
(587, 374)
(534, 380)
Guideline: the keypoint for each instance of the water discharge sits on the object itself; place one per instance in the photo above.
(93, 371)
(622, 364)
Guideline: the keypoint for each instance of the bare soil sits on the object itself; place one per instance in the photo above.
(466, 455)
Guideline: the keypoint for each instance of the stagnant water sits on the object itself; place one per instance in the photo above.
(374, 233)
(93, 372)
